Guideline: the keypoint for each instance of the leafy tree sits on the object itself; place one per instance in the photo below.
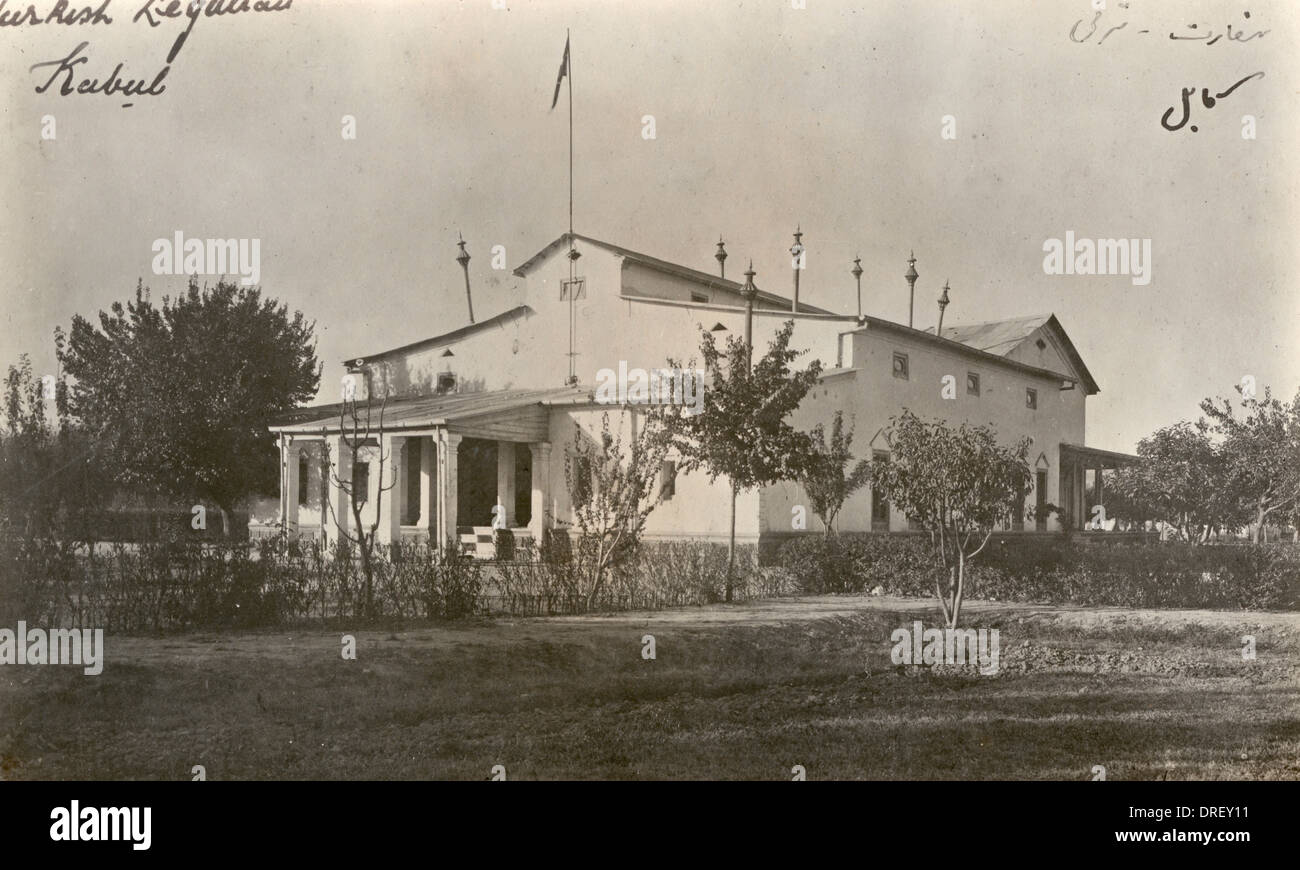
(741, 432)
(1180, 479)
(958, 484)
(53, 483)
(180, 395)
(825, 479)
(612, 492)
(1260, 453)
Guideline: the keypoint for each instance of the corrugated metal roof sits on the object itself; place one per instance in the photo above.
(995, 336)
(428, 411)
(1001, 337)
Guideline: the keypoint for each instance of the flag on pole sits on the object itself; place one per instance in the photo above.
(564, 70)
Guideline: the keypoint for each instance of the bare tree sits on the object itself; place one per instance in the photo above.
(613, 492)
(358, 431)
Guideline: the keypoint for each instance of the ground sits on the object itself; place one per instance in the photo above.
(735, 692)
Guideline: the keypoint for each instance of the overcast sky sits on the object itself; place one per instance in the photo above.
(765, 116)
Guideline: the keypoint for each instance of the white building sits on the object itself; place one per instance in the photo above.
(482, 414)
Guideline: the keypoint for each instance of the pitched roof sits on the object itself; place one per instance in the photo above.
(663, 266)
(1001, 337)
(995, 336)
(448, 337)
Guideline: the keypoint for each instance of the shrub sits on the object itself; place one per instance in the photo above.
(1059, 570)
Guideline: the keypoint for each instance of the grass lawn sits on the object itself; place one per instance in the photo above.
(740, 692)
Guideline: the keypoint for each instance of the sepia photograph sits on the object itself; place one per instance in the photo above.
(781, 390)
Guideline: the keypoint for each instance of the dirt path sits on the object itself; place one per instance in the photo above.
(291, 645)
(774, 611)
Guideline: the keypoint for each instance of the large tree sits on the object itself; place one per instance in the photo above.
(1260, 454)
(957, 484)
(741, 432)
(1180, 479)
(180, 396)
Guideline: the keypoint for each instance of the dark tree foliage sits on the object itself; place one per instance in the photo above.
(179, 396)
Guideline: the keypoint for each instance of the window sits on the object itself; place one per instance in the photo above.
(1040, 501)
(879, 507)
(577, 288)
(699, 297)
(446, 383)
(360, 482)
(972, 384)
(1031, 398)
(667, 479)
(304, 476)
(900, 365)
(411, 459)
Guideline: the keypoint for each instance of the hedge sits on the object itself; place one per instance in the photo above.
(1058, 571)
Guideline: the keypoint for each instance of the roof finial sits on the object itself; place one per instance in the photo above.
(463, 259)
(943, 303)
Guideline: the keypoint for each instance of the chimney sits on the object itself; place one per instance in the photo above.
(796, 262)
(943, 303)
(463, 259)
(721, 257)
(911, 277)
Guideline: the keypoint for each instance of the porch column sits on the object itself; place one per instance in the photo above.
(291, 453)
(1101, 492)
(506, 480)
(448, 490)
(541, 451)
(427, 492)
(284, 483)
(339, 517)
(390, 498)
(1080, 495)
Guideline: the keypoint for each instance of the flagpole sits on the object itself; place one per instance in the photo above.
(568, 57)
(570, 71)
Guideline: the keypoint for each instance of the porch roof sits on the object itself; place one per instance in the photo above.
(1093, 457)
(502, 415)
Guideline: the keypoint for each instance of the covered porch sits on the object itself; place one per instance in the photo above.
(438, 470)
(1083, 481)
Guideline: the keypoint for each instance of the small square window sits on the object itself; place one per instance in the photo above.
(577, 287)
(972, 384)
(667, 479)
(900, 365)
(446, 384)
(699, 297)
(1031, 398)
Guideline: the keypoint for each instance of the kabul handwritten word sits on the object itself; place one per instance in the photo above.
(151, 12)
(1206, 100)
